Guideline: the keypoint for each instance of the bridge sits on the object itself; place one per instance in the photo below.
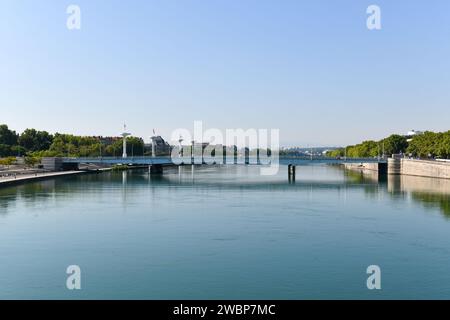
(156, 164)
(169, 161)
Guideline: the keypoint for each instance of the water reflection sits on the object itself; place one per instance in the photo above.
(430, 193)
(27, 194)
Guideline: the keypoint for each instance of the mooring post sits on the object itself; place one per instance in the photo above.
(293, 173)
(289, 171)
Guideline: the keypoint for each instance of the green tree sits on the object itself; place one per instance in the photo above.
(443, 148)
(34, 140)
(7, 161)
(395, 144)
(135, 147)
(336, 153)
(5, 150)
(18, 151)
(7, 137)
(430, 143)
(74, 146)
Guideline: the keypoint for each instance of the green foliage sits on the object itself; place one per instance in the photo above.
(423, 145)
(430, 143)
(64, 145)
(9, 151)
(7, 161)
(337, 153)
(12, 144)
(37, 144)
(18, 151)
(135, 147)
(7, 137)
(366, 149)
(33, 140)
(120, 167)
(394, 144)
(5, 150)
(31, 161)
(45, 153)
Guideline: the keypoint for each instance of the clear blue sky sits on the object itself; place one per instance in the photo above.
(310, 68)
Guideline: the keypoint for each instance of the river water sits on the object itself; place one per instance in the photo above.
(226, 232)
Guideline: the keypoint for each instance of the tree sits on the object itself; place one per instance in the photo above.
(7, 161)
(33, 140)
(430, 143)
(443, 149)
(395, 144)
(74, 146)
(337, 153)
(18, 151)
(5, 150)
(7, 137)
(31, 161)
(135, 147)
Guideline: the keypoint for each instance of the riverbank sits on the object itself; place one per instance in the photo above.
(408, 167)
(420, 168)
(25, 177)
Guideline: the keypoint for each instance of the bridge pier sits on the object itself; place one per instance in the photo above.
(291, 172)
(155, 169)
(382, 172)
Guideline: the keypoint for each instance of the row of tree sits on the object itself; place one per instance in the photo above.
(428, 144)
(14, 144)
(33, 143)
(66, 145)
(435, 144)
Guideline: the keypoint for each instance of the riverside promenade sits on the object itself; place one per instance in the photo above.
(30, 177)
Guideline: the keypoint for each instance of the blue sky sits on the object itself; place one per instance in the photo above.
(310, 68)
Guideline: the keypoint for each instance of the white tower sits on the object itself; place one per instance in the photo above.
(154, 138)
(125, 134)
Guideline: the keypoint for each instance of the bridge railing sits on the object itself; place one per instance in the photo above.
(167, 160)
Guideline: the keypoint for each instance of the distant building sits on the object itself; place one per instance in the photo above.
(159, 146)
(411, 134)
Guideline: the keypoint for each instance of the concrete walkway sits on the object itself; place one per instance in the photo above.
(21, 178)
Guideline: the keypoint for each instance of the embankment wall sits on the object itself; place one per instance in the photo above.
(421, 168)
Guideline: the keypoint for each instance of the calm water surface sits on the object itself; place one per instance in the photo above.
(226, 232)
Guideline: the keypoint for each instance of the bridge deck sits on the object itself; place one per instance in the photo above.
(167, 161)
